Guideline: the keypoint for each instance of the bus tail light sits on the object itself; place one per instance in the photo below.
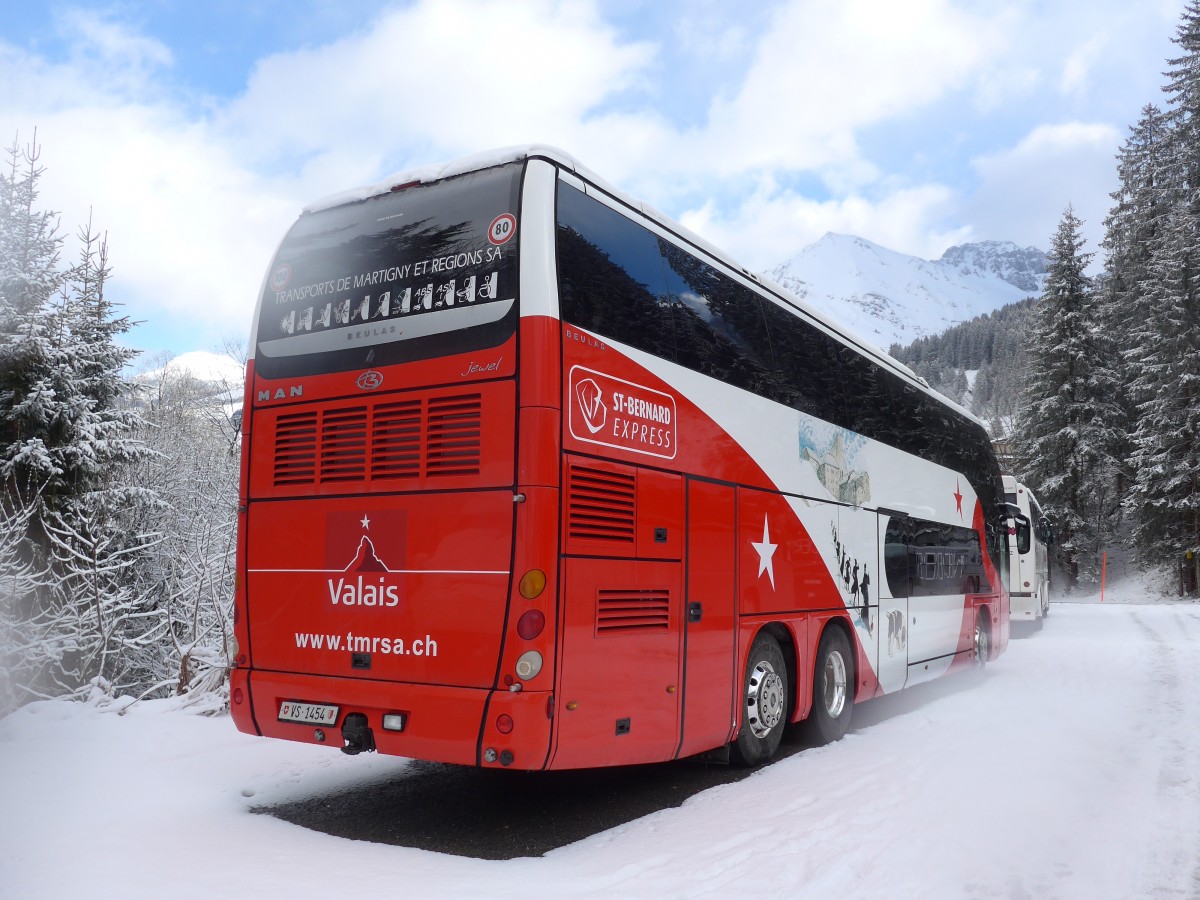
(530, 624)
(504, 724)
(532, 584)
(529, 664)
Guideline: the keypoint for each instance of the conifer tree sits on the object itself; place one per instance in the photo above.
(65, 444)
(29, 276)
(1164, 357)
(1183, 116)
(1139, 204)
(1062, 441)
(1155, 306)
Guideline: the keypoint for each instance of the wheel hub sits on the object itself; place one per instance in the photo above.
(835, 684)
(764, 699)
(982, 647)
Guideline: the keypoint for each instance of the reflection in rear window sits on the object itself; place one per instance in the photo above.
(427, 271)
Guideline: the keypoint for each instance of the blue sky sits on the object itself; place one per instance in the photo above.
(194, 133)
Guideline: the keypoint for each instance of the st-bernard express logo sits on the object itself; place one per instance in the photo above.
(366, 580)
(618, 413)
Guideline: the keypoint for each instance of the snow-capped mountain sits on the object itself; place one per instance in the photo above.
(887, 297)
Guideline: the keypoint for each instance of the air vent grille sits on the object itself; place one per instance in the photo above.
(396, 440)
(296, 449)
(453, 434)
(623, 612)
(601, 505)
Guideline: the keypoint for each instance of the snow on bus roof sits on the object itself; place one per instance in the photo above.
(438, 171)
(487, 159)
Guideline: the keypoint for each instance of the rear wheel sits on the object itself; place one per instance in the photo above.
(983, 641)
(764, 702)
(833, 688)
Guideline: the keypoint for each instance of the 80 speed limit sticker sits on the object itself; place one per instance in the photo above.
(502, 228)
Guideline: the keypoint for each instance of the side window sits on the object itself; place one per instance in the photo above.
(895, 558)
(612, 279)
(868, 398)
(719, 325)
(621, 280)
(926, 559)
(808, 377)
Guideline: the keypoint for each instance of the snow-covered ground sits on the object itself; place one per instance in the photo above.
(1071, 770)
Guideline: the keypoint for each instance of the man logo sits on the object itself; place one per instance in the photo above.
(591, 404)
(369, 380)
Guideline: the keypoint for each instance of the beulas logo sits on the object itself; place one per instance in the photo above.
(591, 404)
(369, 380)
(366, 581)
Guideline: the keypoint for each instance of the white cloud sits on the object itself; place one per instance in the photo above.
(772, 226)
(192, 219)
(1024, 190)
(445, 77)
(190, 231)
(196, 192)
(825, 70)
(190, 228)
(113, 58)
(1079, 64)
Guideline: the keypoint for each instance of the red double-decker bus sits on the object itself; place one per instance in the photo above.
(535, 478)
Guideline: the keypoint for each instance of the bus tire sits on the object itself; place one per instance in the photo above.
(982, 649)
(764, 702)
(833, 688)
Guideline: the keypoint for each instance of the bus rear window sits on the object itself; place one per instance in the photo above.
(423, 272)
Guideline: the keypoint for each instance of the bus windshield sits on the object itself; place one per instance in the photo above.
(417, 273)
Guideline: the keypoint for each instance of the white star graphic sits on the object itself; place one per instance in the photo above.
(365, 523)
(765, 551)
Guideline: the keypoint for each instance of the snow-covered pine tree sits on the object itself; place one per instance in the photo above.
(1183, 111)
(1164, 357)
(29, 276)
(1139, 204)
(65, 440)
(69, 434)
(1062, 441)
(90, 513)
(1143, 198)
(1155, 263)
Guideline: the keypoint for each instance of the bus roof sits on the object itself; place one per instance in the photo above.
(430, 173)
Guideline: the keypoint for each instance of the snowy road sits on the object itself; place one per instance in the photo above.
(1072, 770)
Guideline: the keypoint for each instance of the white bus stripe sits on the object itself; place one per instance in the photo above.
(388, 572)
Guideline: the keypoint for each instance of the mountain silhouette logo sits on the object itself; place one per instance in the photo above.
(366, 559)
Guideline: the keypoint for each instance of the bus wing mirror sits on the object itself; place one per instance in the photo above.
(1024, 533)
(1016, 522)
(1045, 531)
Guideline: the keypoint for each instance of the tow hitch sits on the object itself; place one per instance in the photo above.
(356, 735)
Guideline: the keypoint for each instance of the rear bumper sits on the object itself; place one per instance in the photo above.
(442, 724)
(1024, 606)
